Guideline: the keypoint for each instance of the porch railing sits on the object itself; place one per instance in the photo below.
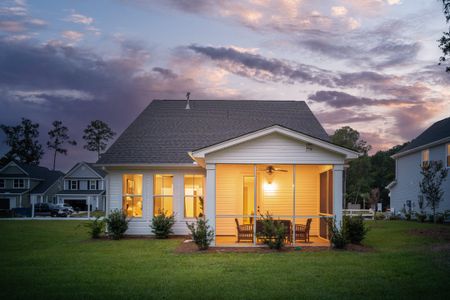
(365, 213)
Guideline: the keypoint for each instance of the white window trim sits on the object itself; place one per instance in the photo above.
(421, 156)
(192, 196)
(135, 195)
(19, 186)
(163, 196)
(70, 185)
(92, 182)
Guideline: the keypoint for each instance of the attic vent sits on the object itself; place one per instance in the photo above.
(188, 94)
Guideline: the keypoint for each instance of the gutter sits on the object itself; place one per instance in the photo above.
(418, 148)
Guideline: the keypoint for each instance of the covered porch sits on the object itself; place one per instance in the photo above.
(298, 196)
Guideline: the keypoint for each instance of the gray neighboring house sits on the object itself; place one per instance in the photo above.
(84, 184)
(432, 145)
(20, 184)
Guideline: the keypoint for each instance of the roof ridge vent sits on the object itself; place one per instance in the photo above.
(188, 94)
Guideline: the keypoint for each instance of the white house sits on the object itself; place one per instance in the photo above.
(83, 186)
(432, 145)
(232, 161)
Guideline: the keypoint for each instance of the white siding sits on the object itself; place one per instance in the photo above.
(408, 178)
(140, 226)
(274, 148)
(82, 171)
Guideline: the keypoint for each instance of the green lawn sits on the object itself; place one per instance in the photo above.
(56, 259)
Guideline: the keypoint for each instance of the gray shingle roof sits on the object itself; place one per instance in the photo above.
(47, 176)
(165, 131)
(435, 132)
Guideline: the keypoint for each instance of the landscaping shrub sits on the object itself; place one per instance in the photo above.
(117, 224)
(272, 233)
(379, 216)
(96, 227)
(394, 217)
(337, 235)
(162, 225)
(354, 229)
(201, 233)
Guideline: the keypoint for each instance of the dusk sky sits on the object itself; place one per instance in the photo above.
(368, 64)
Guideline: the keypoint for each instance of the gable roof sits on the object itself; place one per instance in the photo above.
(166, 131)
(100, 172)
(46, 177)
(436, 133)
(348, 153)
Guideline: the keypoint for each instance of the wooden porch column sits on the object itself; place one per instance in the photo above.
(210, 201)
(338, 193)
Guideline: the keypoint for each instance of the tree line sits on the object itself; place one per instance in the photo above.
(367, 176)
(24, 145)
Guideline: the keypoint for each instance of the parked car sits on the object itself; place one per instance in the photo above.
(53, 210)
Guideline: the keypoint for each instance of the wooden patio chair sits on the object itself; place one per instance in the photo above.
(244, 232)
(302, 231)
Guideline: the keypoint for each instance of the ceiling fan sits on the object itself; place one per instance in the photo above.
(271, 169)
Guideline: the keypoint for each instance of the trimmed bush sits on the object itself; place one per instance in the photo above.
(95, 227)
(337, 235)
(272, 233)
(201, 233)
(379, 216)
(117, 224)
(354, 229)
(162, 225)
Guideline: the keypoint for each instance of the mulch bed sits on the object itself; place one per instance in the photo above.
(192, 248)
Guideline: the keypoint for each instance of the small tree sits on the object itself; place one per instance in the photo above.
(434, 173)
(58, 137)
(272, 233)
(23, 142)
(97, 134)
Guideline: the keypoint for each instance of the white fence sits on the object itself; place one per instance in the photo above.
(365, 213)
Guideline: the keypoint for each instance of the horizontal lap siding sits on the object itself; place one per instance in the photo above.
(307, 195)
(274, 148)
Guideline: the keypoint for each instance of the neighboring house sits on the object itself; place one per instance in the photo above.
(432, 145)
(229, 160)
(20, 184)
(83, 185)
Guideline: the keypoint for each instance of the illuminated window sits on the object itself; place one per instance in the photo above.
(425, 157)
(448, 155)
(19, 183)
(132, 195)
(163, 194)
(193, 196)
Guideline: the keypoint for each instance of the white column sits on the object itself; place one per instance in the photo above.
(32, 205)
(148, 201)
(88, 206)
(210, 201)
(338, 197)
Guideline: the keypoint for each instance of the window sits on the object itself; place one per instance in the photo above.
(425, 157)
(448, 155)
(193, 195)
(19, 183)
(163, 194)
(132, 195)
(92, 184)
(73, 184)
(2, 183)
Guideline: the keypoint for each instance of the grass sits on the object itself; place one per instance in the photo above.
(56, 259)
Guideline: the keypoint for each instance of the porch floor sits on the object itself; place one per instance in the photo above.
(230, 241)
